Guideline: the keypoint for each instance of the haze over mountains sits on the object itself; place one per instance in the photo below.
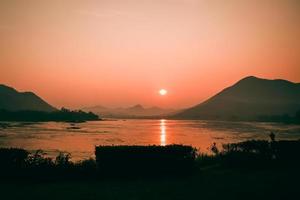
(136, 111)
(249, 99)
(12, 100)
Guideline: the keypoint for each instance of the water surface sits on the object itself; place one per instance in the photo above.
(80, 139)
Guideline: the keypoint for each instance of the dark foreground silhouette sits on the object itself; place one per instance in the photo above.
(254, 169)
(41, 116)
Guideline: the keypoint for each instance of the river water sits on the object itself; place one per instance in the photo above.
(80, 139)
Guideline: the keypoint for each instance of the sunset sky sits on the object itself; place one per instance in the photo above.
(122, 52)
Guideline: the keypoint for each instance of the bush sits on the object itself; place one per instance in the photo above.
(261, 153)
(13, 158)
(38, 160)
(63, 160)
(148, 161)
(145, 160)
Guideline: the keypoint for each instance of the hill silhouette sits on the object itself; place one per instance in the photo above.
(136, 111)
(251, 98)
(12, 100)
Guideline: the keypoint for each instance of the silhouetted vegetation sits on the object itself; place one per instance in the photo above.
(13, 158)
(146, 160)
(256, 154)
(149, 161)
(20, 164)
(112, 161)
(246, 170)
(61, 115)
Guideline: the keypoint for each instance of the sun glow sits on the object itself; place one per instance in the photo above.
(163, 92)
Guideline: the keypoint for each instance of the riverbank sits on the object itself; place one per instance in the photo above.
(246, 170)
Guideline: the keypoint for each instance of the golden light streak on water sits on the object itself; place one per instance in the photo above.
(163, 133)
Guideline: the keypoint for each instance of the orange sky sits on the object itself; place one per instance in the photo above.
(121, 52)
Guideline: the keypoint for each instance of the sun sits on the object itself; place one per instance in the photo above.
(163, 92)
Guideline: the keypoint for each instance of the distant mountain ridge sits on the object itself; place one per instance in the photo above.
(248, 99)
(136, 111)
(12, 100)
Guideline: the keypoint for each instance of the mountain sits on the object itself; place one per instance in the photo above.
(249, 99)
(96, 109)
(12, 100)
(136, 111)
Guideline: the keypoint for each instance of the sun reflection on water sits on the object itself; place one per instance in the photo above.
(163, 132)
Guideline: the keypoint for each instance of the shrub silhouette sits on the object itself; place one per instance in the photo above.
(261, 153)
(145, 160)
(63, 159)
(38, 160)
(13, 158)
(148, 161)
